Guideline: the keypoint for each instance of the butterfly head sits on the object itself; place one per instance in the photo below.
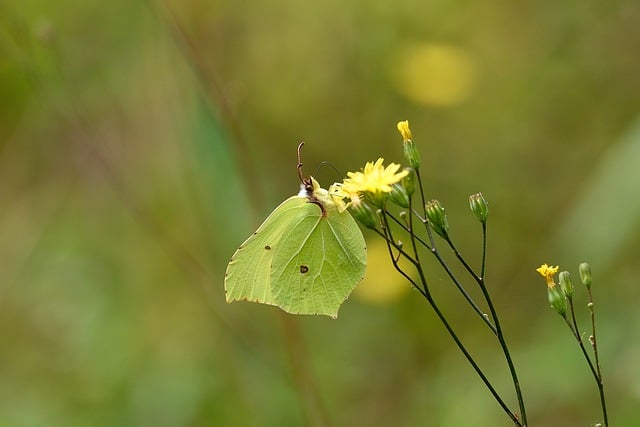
(308, 186)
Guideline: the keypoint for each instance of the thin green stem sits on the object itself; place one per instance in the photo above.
(413, 243)
(484, 249)
(443, 319)
(496, 321)
(595, 370)
(390, 246)
(573, 326)
(473, 363)
(594, 345)
(433, 250)
(463, 291)
(507, 354)
(424, 208)
(444, 265)
(408, 229)
(391, 243)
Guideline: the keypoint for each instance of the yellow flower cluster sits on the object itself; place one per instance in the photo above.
(374, 179)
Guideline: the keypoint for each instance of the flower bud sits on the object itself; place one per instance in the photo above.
(565, 284)
(405, 131)
(437, 218)
(548, 271)
(377, 199)
(411, 153)
(363, 213)
(399, 196)
(479, 207)
(409, 181)
(585, 274)
(557, 301)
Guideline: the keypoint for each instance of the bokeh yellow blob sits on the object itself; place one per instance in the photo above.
(436, 75)
(382, 283)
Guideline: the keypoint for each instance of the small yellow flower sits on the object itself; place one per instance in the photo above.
(548, 272)
(374, 179)
(403, 128)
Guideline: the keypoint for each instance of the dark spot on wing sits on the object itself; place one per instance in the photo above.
(268, 247)
(304, 269)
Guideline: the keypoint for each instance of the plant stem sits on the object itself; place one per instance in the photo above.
(575, 330)
(507, 354)
(594, 345)
(473, 363)
(313, 407)
(444, 265)
(407, 229)
(484, 249)
(595, 370)
(442, 317)
(462, 290)
(494, 315)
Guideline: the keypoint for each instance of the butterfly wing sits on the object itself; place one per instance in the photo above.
(248, 273)
(319, 261)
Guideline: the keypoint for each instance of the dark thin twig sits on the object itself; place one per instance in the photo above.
(443, 320)
(496, 320)
(575, 331)
(594, 345)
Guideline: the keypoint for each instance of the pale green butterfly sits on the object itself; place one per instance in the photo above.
(306, 257)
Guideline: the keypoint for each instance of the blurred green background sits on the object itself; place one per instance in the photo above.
(142, 142)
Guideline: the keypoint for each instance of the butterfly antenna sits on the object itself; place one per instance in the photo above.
(331, 165)
(299, 166)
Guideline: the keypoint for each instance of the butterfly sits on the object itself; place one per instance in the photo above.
(306, 257)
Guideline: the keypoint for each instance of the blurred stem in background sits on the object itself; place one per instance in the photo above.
(296, 348)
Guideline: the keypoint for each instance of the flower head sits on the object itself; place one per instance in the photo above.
(410, 150)
(374, 179)
(403, 128)
(548, 272)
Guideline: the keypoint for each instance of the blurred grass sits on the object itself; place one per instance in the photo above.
(140, 143)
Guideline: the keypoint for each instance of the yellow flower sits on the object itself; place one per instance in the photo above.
(403, 128)
(548, 272)
(374, 179)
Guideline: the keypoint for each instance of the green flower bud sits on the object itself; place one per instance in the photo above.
(363, 213)
(479, 207)
(437, 218)
(377, 199)
(409, 181)
(399, 195)
(411, 153)
(565, 284)
(585, 274)
(557, 301)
